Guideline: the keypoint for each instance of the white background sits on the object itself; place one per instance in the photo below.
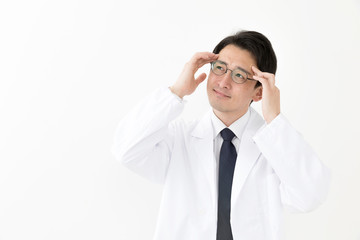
(70, 69)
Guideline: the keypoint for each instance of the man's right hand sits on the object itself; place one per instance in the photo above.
(186, 83)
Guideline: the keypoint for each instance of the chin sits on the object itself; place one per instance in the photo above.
(219, 106)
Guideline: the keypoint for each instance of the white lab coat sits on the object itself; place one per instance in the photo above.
(275, 168)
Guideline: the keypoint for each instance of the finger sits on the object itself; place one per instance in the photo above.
(256, 70)
(202, 58)
(200, 78)
(264, 81)
(260, 73)
(208, 55)
(269, 76)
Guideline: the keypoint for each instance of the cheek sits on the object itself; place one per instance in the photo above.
(245, 91)
(210, 81)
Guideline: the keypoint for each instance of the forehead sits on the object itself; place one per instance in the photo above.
(237, 57)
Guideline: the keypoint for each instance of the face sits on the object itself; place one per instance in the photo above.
(226, 96)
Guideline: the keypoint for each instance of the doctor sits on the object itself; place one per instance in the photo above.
(231, 174)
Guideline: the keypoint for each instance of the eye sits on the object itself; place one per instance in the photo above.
(219, 67)
(238, 75)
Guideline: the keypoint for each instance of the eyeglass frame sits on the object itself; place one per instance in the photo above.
(246, 72)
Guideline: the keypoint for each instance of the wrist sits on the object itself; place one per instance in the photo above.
(269, 119)
(177, 92)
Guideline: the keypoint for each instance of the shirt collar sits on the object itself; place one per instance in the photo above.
(237, 127)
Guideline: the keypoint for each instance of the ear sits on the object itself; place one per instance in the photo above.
(257, 96)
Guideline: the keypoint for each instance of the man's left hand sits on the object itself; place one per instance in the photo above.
(270, 94)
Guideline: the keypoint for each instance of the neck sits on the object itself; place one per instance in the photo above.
(229, 118)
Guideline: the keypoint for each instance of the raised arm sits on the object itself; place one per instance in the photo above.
(144, 138)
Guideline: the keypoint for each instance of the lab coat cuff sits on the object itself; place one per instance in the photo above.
(179, 99)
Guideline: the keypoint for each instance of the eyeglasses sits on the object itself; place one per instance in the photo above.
(238, 75)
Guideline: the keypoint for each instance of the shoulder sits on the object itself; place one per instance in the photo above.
(200, 127)
(255, 121)
(256, 118)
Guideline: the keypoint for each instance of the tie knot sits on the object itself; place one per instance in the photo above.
(227, 134)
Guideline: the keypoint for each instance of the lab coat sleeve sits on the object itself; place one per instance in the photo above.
(143, 139)
(304, 179)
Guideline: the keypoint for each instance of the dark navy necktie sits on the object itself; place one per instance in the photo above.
(226, 172)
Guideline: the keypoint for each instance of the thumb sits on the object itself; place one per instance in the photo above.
(200, 78)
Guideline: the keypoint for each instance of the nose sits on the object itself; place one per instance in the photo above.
(225, 80)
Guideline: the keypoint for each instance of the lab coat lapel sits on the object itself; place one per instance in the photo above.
(202, 139)
(247, 155)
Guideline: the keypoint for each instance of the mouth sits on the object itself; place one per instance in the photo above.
(220, 94)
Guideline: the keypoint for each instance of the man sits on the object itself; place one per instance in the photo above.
(230, 174)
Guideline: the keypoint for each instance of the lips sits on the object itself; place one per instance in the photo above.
(221, 93)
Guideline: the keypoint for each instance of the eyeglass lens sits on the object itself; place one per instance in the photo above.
(220, 68)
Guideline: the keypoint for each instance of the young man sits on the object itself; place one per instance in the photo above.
(230, 174)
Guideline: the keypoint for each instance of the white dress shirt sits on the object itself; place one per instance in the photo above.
(236, 127)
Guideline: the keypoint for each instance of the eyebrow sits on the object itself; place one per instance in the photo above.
(242, 69)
